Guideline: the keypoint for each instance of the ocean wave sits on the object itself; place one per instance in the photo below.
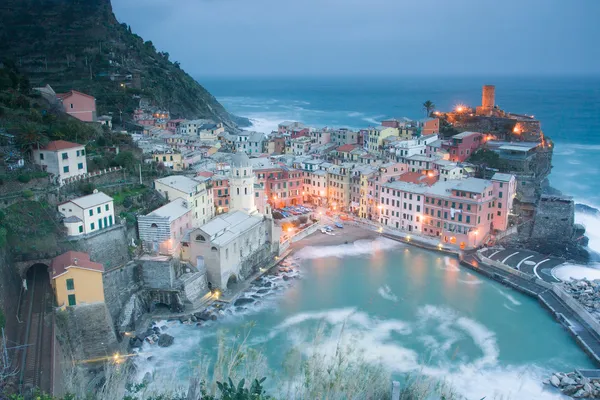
(450, 264)
(508, 297)
(360, 247)
(592, 229)
(576, 271)
(385, 292)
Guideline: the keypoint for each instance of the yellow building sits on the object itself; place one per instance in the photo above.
(76, 279)
(170, 159)
(376, 136)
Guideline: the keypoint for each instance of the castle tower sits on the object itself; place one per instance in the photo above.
(241, 184)
(488, 100)
(488, 97)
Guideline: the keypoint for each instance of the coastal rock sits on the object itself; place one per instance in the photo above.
(286, 278)
(165, 340)
(570, 390)
(580, 393)
(262, 291)
(164, 328)
(147, 378)
(242, 301)
(555, 381)
(567, 381)
(135, 343)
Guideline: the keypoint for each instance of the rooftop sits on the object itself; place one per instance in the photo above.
(347, 147)
(226, 227)
(58, 145)
(175, 209)
(91, 200)
(73, 259)
(465, 135)
(179, 182)
(418, 178)
(502, 177)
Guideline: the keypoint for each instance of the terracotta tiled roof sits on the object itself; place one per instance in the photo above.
(418, 178)
(60, 145)
(70, 93)
(205, 174)
(73, 259)
(347, 147)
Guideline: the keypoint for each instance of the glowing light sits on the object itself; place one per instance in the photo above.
(440, 246)
(117, 358)
(430, 174)
(217, 294)
(290, 229)
(437, 113)
(380, 207)
(408, 238)
(460, 108)
(322, 193)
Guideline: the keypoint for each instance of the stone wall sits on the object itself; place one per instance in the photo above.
(259, 258)
(120, 285)
(86, 331)
(158, 272)
(10, 287)
(107, 246)
(555, 217)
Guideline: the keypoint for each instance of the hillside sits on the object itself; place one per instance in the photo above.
(79, 44)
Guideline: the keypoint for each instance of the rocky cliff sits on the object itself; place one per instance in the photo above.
(79, 44)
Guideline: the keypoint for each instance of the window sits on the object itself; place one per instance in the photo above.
(72, 300)
(91, 212)
(41, 156)
(66, 169)
(110, 221)
(71, 105)
(106, 207)
(80, 228)
(99, 210)
(80, 166)
(65, 156)
(92, 226)
(499, 213)
(70, 284)
(500, 195)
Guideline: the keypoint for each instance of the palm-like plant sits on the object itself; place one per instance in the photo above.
(428, 106)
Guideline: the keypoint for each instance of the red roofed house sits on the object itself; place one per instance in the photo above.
(76, 279)
(79, 105)
(62, 159)
(344, 152)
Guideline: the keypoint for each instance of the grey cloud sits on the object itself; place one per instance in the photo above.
(371, 36)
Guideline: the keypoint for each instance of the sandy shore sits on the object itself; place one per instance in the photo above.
(349, 234)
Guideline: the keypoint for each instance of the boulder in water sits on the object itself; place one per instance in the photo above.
(555, 381)
(165, 340)
(262, 291)
(242, 301)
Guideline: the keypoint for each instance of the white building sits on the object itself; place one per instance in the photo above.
(401, 205)
(449, 170)
(233, 245)
(87, 214)
(196, 191)
(410, 147)
(62, 159)
(300, 146)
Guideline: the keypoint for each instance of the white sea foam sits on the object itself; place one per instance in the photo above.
(592, 229)
(385, 292)
(508, 297)
(568, 271)
(450, 264)
(360, 247)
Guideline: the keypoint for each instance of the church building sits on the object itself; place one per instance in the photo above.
(233, 245)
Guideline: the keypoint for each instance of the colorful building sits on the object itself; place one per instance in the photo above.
(87, 214)
(461, 146)
(79, 105)
(76, 279)
(161, 231)
(62, 159)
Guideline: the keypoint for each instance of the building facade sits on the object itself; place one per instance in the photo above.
(79, 105)
(87, 214)
(62, 159)
(196, 191)
(161, 231)
(76, 279)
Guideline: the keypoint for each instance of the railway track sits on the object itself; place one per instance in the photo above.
(36, 359)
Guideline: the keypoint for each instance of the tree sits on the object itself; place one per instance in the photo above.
(31, 137)
(125, 159)
(428, 106)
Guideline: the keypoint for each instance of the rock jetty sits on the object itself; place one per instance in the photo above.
(586, 292)
(576, 385)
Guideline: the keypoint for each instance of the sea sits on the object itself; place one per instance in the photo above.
(411, 310)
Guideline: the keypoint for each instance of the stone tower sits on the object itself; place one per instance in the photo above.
(241, 184)
(488, 100)
(488, 97)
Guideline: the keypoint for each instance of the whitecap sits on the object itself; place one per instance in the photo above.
(508, 297)
(385, 292)
(567, 271)
(360, 247)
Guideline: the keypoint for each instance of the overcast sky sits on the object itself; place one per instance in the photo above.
(370, 37)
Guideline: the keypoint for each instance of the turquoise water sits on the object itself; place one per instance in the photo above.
(407, 308)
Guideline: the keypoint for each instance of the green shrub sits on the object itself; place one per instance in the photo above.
(27, 194)
(24, 178)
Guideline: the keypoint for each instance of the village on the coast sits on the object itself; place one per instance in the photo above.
(232, 204)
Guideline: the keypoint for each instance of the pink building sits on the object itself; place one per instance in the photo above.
(505, 188)
(173, 124)
(297, 132)
(79, 105)
(161, 231)
(430, 126)
(221, 193)
(461, 146)
(146, 122)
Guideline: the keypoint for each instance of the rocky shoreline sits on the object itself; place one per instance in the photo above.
(262, 288)
(576, 385)
(587, 293)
